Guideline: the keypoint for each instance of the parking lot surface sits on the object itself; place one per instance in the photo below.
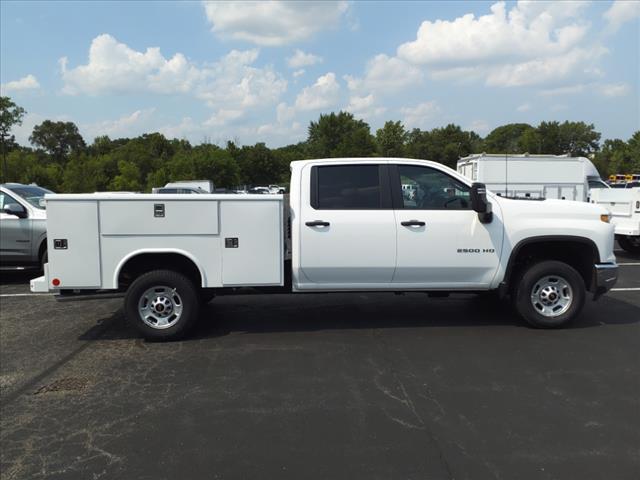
(321, 386)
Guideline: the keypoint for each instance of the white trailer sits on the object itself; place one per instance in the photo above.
(533, 176)
(624, 208)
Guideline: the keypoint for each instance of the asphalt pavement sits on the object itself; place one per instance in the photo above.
(321, 386)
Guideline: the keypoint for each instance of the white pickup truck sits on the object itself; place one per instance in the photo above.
(348, 225)
(624, 206)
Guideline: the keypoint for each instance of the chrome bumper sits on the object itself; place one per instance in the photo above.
(605, 277)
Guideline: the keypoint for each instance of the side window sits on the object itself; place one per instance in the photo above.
(425, 188)
(6, 200)
(346, 187)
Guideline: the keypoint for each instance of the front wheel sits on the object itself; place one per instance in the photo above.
(550, 294)
(630, 244)
(162, 304)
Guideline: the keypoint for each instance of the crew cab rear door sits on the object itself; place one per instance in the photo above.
(441, 242)
(347, 226)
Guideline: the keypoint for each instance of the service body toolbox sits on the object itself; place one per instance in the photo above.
(234, 240)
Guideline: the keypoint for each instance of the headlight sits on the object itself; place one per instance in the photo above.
(605, 217)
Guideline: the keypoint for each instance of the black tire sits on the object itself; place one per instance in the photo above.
(553, 275)
(630, 244)
(206, 295)
(183, 294)
(44, 258)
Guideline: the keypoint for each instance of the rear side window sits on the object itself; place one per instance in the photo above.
(346, 187)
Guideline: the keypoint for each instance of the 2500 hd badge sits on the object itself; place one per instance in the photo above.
(476, 250)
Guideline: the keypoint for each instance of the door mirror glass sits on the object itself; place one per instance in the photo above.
(479, 202)
(15, 209)
(479, 197)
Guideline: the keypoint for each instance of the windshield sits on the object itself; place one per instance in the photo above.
(33, 195)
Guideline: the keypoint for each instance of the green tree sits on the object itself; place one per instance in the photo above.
(579, 139)
(59, 139)
(445, 145)
(391, 139)
(128, 178)
(83, 173)
(259, 165)
(507, 138)
(337, 135)
(573, 138)
(618, 156)
(10, 115)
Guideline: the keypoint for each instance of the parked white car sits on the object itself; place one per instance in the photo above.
(346, 227)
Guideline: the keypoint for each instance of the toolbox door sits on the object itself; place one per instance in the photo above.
(73, 243)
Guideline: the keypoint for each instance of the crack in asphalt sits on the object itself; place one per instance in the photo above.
(93, 334)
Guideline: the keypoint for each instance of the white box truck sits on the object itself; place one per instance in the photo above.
(533, 176)
(624, 207)
(347, 225)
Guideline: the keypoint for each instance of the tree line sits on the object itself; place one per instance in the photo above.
(61, 160)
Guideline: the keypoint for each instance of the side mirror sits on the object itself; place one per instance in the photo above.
(479, 202)
(15, 210)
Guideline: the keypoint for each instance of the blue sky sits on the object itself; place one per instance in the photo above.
(261, 71)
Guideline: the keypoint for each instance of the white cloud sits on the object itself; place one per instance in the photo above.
(620, 12)
(232, 82)
(614, 89)
(298, 73)
(421, 115)
(113, 67)
(545, 70)
(527, 31)
(568, 90)
(364, 107)
(223, 117)
(532, 43)
(126, 126)
(324, 93)
(481, 127)
(605, 89)
(525, 107)
(28, 82)
(302, 59)
(385, 74)
(273, 23)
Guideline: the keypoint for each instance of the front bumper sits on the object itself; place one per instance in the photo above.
(605, 276)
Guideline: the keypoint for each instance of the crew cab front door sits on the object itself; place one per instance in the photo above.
(347, 227)
(441, 242)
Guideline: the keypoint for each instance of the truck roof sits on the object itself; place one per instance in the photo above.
(301, 163)
(523, 156)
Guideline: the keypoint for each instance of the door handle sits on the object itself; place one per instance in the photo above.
(413, 223)
(317, 223)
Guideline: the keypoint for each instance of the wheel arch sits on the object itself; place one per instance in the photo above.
(143, 260)
(579, 252)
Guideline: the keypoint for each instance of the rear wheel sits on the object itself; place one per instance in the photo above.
(630, 244)
(162, 304)
(550, 294)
